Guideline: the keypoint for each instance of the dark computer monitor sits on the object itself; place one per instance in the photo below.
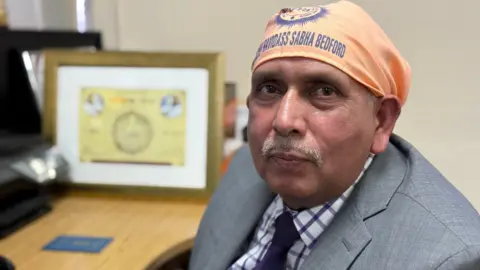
(18, 109)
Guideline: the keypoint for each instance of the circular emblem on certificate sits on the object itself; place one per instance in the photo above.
(290, 17)
(132, 133)
(170, 106)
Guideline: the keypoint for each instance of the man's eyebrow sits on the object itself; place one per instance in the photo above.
(318, 76)
(261, 76)
(326, 77)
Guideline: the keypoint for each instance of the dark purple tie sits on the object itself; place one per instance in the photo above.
(283, 239)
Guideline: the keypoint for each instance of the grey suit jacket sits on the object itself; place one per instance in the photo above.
(402, 215)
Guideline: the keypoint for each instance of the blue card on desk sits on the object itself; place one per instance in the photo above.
(78, 244)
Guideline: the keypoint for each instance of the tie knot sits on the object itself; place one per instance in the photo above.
(283, 239)
(285, 232)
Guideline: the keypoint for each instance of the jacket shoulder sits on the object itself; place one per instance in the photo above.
(434, 195)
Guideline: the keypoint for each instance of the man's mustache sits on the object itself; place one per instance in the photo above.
(284, 144)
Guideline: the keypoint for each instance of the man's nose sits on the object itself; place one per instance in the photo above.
(289, 119)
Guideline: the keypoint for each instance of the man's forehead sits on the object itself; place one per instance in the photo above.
(301, 68)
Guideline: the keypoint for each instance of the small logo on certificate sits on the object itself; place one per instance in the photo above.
(94, 104)
(171, 106)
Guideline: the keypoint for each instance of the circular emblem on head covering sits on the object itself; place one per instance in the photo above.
(293, 16)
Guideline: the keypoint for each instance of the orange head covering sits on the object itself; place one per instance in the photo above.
(343, 35)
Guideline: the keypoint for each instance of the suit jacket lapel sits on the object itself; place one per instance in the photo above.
(347, 236)
(244, 211)
(341, 242)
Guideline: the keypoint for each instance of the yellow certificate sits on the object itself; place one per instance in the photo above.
(132, 126)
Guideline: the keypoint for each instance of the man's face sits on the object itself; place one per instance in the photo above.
(311, 128)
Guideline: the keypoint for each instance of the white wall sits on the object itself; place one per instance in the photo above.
(25, 14)
(105, 19)
(41, 14)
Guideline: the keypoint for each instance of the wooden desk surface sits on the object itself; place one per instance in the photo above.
(141, 231)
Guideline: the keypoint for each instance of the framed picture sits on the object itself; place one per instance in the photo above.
(134, 121)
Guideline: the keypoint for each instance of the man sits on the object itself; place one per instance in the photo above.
(324, 183)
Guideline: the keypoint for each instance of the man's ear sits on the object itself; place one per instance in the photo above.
(388, 111)
(248, 101)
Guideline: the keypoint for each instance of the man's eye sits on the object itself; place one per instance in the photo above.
(324, 91)
(268, 89)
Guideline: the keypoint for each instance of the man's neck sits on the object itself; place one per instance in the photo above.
(298, 205)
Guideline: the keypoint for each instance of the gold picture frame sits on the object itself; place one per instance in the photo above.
(58, 62)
